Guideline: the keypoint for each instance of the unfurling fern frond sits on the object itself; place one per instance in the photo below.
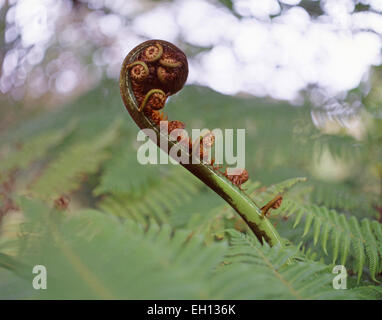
(351, 239)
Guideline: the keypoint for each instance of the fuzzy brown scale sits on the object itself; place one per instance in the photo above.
(208, 140)
(138, 90)
(239, 178)
(156, 116)
(62, 203)
(175, 124)
(275, 203)
(157, 101)
(202, 149)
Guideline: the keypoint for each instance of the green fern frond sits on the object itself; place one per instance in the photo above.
(93, 255)
(158, 250)
(29, 151)
(263, 195)
(339, 146)
(9, 231)
(285, 185)
(341, 197)
(262, 272)
(63, 174)
(124, 174)
(158, 201)
(345, 233)
(368, 292)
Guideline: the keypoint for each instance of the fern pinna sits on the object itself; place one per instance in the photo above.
(351, 240)
(154, 262)
(360, 241)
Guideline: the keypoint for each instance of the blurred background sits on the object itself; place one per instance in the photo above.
(304, 78)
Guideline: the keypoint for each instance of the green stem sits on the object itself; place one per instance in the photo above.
(237, 199)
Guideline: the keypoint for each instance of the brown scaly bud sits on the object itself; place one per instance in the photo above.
(152, 53)
(62, 203)
(273, 204)
(175, 124)
(165, 76)
(157, 116)
(138, 71)
(159, 70)
(172, 70)
(138, 90)
(208, 139)
(277, 203)
(199, 150)
(203, 153)
(202, 145)
(238, 179)
(168, 60)
(155, 99)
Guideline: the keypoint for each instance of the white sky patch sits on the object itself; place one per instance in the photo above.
(375, 4)
(35, 19)
(35, 55)
(158, 23)
(110, 24)
(203, 24)
(259, 9)
(338, 7)
(285, 84)
(224, 73)
(295, 16)
(368, 20)
(255, 54)
(250, 40)
(291, 2)
(32, 19)
(284, 56)
(344, 59)
(66, 81)
(10, 62)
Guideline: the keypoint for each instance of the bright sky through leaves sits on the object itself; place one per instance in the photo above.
(276, 57)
